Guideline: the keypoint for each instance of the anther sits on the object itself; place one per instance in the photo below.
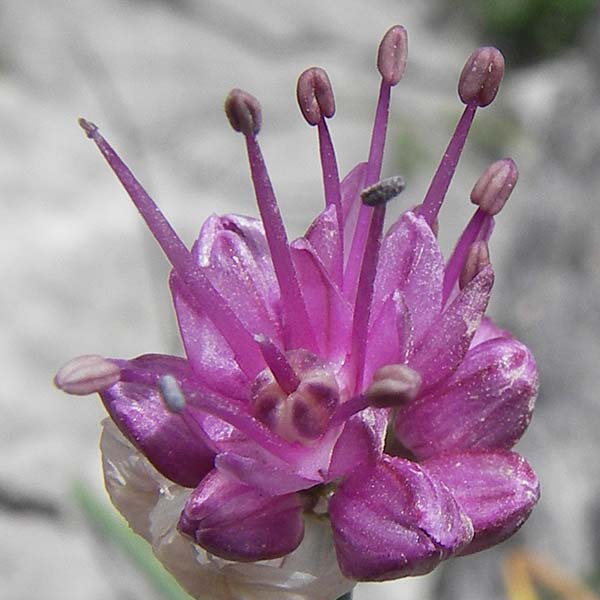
(243, 111)
(315, 95)
(383, 191)
(481, 76)
(90, 128)
(478, 257)
(495, 185)
(393, 385)
(392, 55)
(86, 375)
(171, 393)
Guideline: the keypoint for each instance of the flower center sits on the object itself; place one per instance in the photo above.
(301, 414)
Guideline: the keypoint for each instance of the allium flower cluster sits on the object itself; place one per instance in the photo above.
(344, 411)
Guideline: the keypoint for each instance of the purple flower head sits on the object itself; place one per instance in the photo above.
(347, 382)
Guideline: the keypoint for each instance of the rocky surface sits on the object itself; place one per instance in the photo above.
(81, 275)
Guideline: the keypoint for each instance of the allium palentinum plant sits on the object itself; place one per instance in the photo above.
(344, 411)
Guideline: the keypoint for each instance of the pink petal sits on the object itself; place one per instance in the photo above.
(488, 330)
(329, 312)
(234, 254)
(361, 442)
(411, 262)
(264, 473)
(496, 489)
(443, 347)
(486, 403)
(391, 337)
(323, 236)
(394, 520)
(237, 522)
(209, 355)
(140, 414)
(351, 187)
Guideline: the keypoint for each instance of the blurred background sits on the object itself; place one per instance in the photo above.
(81, 275)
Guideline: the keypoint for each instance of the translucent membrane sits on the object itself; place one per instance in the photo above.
(207, 299)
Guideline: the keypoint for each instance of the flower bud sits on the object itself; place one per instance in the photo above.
(86, 375)
(243, 111)
(495, 186)
(481, 76)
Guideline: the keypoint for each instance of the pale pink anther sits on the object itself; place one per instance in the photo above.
(243, 111)
(393, 385)
(315, 95)
(481, 76)
(87, 374)
(392, 55)
(478, 257)
(495, 186)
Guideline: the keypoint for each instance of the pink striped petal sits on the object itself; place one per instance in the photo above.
(486, 403)
(237, 522)
(361, 442)
(323, 236)
(488, 330)
(446, 342)
(209, 355)
(394, 520)
(161, 436)
(329, 312)
(496, 489)
(411, 262)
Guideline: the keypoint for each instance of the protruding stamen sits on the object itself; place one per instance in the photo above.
(495, 186)
(393, 385)
(383, 192)
(481, 76)
(87, 375)
(392, 55)
(479, 228)
(278, 364)
(315, 95)
(201, 289)
(316, 101)
(171, 394)
(477, 259)
(243, 111)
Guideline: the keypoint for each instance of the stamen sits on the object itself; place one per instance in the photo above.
(481, 76)
(315, 95)
(491, 192)
(495, 186)
(244, 112)
(282, 370)
(171, 394)
(392, 56)
(480, 227)
(317, 102)
(297, 325)
(392, 53)
(87, 375)
(478, 258)
(208, 299)
(383, 192)
(393, 385)
(477, 87)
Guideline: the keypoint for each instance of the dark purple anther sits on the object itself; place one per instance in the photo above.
(392, 55)
(90, 128)
(87, 374)
(478, 257)
(495, 186)
(481, 76)
(243, 111)
(393, 385)
(315, 95)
